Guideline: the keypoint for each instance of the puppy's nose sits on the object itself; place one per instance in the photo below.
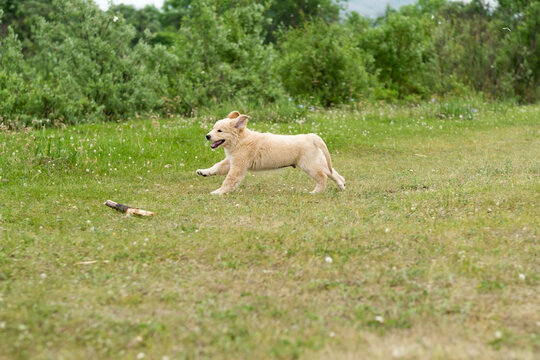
(207, 137)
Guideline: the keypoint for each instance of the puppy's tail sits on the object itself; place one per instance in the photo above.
(322, 146)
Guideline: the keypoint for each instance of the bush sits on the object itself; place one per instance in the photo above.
(400, 46)
(222, 56)
(84, 69)
(85, 53)
(14, 91)
(320, 63)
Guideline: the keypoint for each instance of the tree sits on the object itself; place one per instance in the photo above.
(520, 59)
(143, 20)
(22, 16)
(295, 13)
(173, 13)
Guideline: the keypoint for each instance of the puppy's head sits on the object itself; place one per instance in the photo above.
(225, 132)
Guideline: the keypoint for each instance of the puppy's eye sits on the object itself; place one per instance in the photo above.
(219, 131)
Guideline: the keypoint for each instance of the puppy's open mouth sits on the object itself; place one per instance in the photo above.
(215, 144)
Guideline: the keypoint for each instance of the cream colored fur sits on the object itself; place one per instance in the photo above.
(250, 150)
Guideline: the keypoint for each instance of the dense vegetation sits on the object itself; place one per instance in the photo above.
(68, 61)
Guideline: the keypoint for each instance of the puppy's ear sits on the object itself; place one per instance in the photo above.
(233, 115)
(241, 122)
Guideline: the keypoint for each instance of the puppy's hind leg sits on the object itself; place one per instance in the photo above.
(319, 176)
(221, 168)
(313, 166)
(338, 179)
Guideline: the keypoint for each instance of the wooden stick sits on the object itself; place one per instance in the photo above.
(87, 262)
(127, 209)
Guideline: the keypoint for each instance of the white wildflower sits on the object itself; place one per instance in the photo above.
(398, 352)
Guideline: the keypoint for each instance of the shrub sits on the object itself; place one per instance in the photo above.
(85, 54)
(400, 46)
(14, 90)
(222, 56)
(321, 63)
(83, 69)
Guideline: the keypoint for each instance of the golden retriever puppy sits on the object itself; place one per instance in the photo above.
(250, 150)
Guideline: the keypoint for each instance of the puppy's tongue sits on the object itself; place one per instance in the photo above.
(215, 144)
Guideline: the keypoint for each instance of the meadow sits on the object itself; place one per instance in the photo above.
(431, 251)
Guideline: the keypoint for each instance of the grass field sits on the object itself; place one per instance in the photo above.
(431, 252)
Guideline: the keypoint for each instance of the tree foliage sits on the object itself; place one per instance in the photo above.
(68, 61)
(147, 19)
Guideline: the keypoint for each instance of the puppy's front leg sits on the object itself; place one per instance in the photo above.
(221, 168)
(234, 177)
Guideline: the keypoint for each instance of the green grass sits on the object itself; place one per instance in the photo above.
(434, 244)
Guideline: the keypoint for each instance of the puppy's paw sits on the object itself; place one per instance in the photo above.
(217, 192)
(202, 172)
